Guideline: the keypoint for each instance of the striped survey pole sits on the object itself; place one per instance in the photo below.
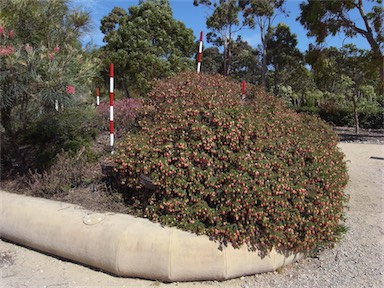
(200, 52)
(243, 90)
(111, 95)
(97, 96)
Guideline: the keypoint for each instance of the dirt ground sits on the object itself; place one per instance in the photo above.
(360, 252)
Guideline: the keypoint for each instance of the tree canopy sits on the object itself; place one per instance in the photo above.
(146, 43)
(329, 17)
(261, 14)
(282, 54)
(224, 24)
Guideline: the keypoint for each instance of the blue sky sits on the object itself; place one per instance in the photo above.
(195, 17)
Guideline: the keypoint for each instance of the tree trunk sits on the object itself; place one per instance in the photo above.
(229, 59)
(229, 48)
(368, 34)
(225, 70)
(264, 64)
(275, 84)
(125, 87)
(380, 59)
(356, 114)
(264, 29)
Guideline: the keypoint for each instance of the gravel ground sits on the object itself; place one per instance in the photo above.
(357, 261)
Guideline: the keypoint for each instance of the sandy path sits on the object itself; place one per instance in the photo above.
(358, 261)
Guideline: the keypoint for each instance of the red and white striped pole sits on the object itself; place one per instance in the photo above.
(111, 95)
(97, 96)
(243, 90)
(200, 52)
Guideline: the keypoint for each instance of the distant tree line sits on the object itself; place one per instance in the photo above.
(344, 86)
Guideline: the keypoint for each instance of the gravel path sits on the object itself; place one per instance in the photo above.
(357, 261)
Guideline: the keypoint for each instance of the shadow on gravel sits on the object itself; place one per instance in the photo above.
(347, 134)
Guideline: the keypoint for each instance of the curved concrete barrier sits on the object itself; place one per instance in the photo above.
(124, 245)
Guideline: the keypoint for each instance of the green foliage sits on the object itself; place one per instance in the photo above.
(224, 24)
(283, 56)
(370, 117)
(41, 60)
(261, 14)
(348, 85)
(245, 62)
(49, 22)
(323, 17)
(146, 43)
(42, 68)
(213, 61)
(252, 172)
(69, 130)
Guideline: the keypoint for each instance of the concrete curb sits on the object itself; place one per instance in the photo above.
(124, 245)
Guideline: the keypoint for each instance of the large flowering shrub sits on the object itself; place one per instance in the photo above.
(240, 171)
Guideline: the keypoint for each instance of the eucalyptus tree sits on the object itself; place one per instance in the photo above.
(346, 79)
(225, 24)
(146, 43)
(283, 56)
(261, 14)
(213, 61)
(352, 17)
(245, 64)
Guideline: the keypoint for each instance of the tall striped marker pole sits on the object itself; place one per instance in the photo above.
(200, 52)
(243, 90)
(97, 96)
(111, 95)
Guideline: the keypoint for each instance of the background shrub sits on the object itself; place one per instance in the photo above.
(370, 116)
(125, 111)
(69, 171)
(68, 130)
(242, 172)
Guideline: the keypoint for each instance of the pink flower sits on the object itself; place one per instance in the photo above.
(2, 30)
(28, 48)
(70, 89)
(5, 51)
(57, 49)
(11, 34)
